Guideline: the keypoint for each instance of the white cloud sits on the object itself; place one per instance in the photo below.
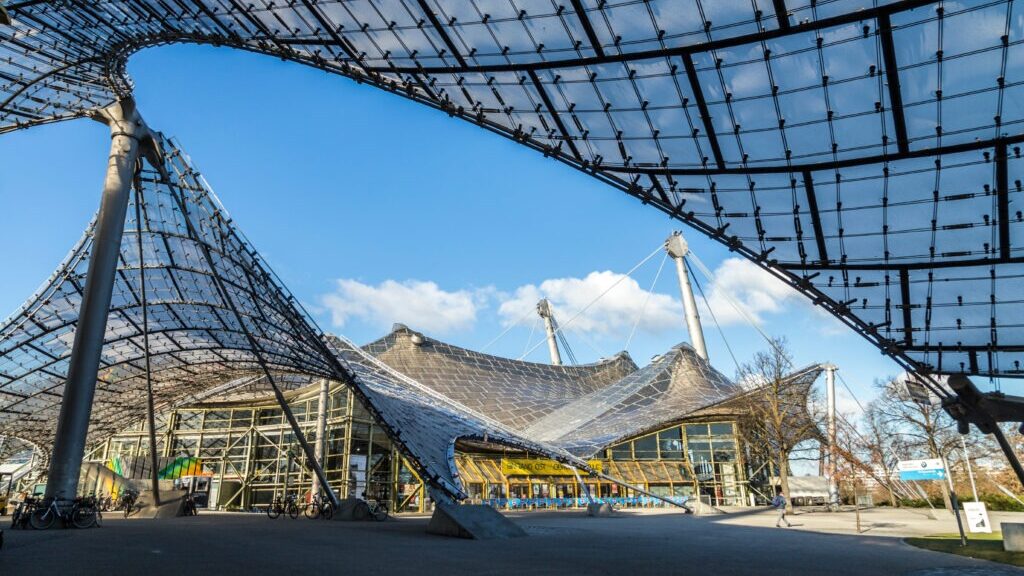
(421, 305)
(754, 290)
(614, 313)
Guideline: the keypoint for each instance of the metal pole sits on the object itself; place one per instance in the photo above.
(677, 248)
(954, 501)
(1011, 455)
(126, 128)
(150, 410)
(583, 485)
(550, 326)
(970, 472)
(830, 392)
(320, 449)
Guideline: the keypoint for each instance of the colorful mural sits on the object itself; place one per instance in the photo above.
(170, 468)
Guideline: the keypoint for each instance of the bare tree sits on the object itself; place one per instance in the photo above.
(875, 447)
(781, 411)
(916, 428)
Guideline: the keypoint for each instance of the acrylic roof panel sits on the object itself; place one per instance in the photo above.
(513, 392)
(865, 152)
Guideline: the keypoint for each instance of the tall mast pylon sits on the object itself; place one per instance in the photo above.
(677, 248)
(550, 326)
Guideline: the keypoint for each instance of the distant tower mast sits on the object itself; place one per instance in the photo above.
(677, 248)
(550, 326)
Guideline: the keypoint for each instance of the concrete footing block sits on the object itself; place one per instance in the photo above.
(1013, 536)
(352, 510)
(472, 521)
(599, 509)
(172, 505)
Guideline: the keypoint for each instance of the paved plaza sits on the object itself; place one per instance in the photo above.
(559, 543)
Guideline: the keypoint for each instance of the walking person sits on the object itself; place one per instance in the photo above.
(779, 503)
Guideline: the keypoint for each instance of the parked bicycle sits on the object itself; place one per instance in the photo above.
(286, 505)
(81, 514)
(23, 512)
(378, 509)
(190, 507)
(126, 502)
(319, 507)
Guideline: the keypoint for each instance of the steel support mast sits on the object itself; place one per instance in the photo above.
(127, 134)
(551, 327)
(319, 449)
(832, 469)
(677, 248)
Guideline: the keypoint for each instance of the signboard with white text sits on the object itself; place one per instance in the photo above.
(928, 469)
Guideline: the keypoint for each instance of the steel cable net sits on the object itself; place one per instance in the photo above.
(866, 152)
(219, 325)
(428, 424)
(196, 341)
(512, 392)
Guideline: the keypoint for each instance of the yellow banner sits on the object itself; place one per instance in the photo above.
(541, 467)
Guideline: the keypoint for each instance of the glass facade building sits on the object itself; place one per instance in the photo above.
(250, 455)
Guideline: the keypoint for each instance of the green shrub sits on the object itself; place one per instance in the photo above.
(994, 502)
(1000, 503)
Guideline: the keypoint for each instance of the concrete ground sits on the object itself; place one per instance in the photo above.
(559, 543)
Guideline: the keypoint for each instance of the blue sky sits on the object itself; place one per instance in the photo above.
(373, 209)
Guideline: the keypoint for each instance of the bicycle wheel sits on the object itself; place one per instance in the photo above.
(327, 512)
(380, 514)
(273, 511)
(83, 517)
(293, 511)
(42, 518)
(16, 517)
(311, 511)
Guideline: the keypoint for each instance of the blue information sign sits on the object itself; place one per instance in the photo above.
(907, 475)
(930, 469)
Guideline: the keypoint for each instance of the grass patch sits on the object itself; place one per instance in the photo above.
(983, 546)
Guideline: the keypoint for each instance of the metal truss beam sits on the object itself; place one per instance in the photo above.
(702, 107)
(819, 166)
(781, 14)
(892, 74)
(815, 213)
(905, 305)
(1003, 200)
(588, 28)
(439, 28)
(554, 114)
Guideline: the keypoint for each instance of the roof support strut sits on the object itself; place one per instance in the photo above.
(311, 459)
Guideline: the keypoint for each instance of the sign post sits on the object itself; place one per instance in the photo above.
(932, 469)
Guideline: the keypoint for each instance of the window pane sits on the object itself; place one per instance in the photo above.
(697, 430)
(646, 448)
(622, 452)
(671, 443)
(722, 429)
